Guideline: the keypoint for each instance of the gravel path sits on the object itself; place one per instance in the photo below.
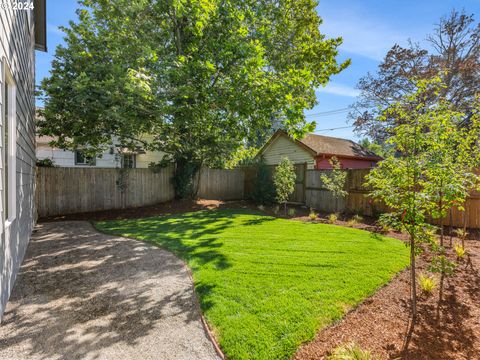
(85, 295)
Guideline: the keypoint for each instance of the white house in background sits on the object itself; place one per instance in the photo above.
(114, 158)
(21, 32)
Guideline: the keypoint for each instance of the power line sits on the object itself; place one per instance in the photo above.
(337, 128)
(330, 112)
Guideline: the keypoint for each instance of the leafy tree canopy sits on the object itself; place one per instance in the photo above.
(454, 56)
(201, 76)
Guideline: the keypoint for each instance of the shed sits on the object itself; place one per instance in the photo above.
(316, 151)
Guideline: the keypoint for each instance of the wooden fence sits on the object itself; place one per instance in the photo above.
(298, 196)
(73, 190)
(221, 184)
(63, 190)
(311, 192)
(358, 202)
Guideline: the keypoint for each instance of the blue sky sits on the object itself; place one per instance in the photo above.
(368, 27)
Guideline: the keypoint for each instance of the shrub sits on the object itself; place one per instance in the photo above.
(45, 163)
(284, 180)
(312, 215)
(441, 264)
(460, 251)
(461, 233)
(385, 229)
(276, 209)
(351, 351)
(261, 207)
(357, 218)
(332, 218)
(351, 222)
(264, 190)
(427, 283)
(291, 212)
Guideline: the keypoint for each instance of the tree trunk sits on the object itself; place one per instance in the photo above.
(183, 179)
(413, 278)
(464, 226)
(441, 231)
(440, 206)
(451, 227)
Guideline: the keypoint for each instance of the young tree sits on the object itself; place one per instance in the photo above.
(284, 180)
(202, 77)
(335, 181)
(454, 55)
(409, 182)
(451, 161)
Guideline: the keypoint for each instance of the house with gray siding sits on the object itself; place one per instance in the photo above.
(21, 32)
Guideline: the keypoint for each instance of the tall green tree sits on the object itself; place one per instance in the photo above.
(202, 77)
(453, 54)
(284, 180)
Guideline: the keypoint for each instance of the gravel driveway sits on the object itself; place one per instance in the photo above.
(85, 295)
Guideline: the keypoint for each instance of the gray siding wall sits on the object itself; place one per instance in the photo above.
(17, 53)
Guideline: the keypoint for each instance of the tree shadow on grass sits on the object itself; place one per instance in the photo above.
(195, 237)
(79, 292)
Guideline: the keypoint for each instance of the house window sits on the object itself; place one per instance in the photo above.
(128, 161)
(9, 147)
(82, 159)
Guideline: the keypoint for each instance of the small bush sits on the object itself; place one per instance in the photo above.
(351, 351)
(461, 233)
(276, 209)
(352, 222)
(427, 283)
(264, 189)
(291, 212)
(312, 215)
(460, 251)
(332, 218)
(45, 163)
(385, 229)
(261, 207)
(357, 218)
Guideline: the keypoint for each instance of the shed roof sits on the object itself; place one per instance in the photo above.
(326, 145)
(336, 146)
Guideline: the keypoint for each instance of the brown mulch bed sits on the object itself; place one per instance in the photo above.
(170, 207)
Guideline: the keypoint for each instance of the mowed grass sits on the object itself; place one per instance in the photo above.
(266, 285)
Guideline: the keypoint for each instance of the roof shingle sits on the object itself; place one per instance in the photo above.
(336, 146)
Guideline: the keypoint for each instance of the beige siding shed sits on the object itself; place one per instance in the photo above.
(282, 146)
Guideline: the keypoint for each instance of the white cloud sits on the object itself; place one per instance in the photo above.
(371, 38)
(338, 89)
(54, 29)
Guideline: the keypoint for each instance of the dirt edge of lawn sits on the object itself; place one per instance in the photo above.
(208, 331)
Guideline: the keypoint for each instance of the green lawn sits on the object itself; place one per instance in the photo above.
(266, 285)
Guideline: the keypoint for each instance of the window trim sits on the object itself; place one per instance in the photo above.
(86, 162)
(134, 161)
(9, 84)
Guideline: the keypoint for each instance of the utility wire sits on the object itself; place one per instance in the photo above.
(330, 112)
(337, 128)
